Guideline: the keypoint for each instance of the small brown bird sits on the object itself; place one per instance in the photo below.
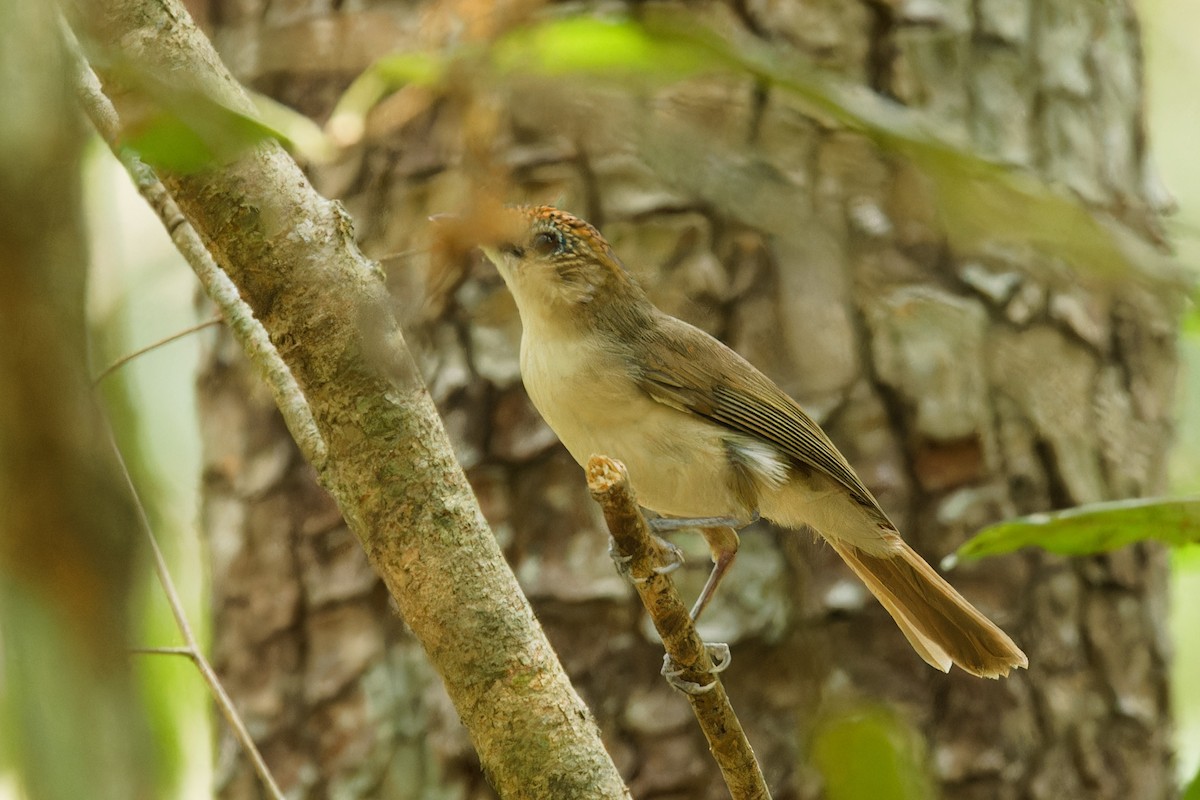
(706, 437)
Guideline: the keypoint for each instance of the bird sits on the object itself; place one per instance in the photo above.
(707, 439)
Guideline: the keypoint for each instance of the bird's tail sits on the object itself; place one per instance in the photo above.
(940, 625)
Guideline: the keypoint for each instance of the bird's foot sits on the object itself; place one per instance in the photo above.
(721, 657)
(672, 555)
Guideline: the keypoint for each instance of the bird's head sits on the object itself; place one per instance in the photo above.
(557, 266)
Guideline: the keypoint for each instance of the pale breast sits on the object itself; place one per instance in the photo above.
(678, 462)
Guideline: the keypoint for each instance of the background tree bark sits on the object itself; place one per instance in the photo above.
(965, 385)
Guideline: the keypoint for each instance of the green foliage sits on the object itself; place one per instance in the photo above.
(606, 47)
(60, 715)
(1192, 792)
(1184, 466)
(978, 200)
(299, 134)
(380, 79)
(177, 123)
(1090, 529)
(401, 69)
(184, 130)
(868, 753)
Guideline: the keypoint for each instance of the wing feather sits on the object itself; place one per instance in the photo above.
(737, 396)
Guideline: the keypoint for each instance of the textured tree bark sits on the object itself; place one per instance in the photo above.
(965, 383)
(389, 466)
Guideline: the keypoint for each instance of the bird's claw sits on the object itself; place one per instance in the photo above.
(721, 658)
(619, 559)
(673, 553)
(622, 561)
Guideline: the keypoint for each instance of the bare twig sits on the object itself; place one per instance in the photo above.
(141, 351)
(609, 484)
(292, 256)
(164, 651)
(245, 327)
(191, 647)
(254, 341)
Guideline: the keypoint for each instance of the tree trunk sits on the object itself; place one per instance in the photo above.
(965, 383)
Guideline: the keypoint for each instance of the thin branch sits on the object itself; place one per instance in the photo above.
(609, 484)
(293, 257)
(125, 359)
(191, 647)
(245, 327)
(165, 651)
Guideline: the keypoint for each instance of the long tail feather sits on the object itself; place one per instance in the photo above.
(940, 625)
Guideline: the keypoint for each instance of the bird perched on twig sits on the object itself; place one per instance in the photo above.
(708, 440)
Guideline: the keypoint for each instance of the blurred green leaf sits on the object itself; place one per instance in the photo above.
(979, 201)
(1191, 320)
(1192, 792)
(386, 75)
(188, 131)
(1090, 529)
(399, 69)
(869, 753)
(177, 123)
(165, 141)
(1186, 558)
(298, 133)
(604, 47)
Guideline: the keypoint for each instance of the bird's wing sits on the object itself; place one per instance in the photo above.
(738, 397)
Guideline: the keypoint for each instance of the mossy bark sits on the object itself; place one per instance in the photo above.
(965, 382)
(389, 464)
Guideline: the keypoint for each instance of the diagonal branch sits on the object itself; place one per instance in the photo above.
(291, 255)
(245, 328)
(141, 351)
(609, 483)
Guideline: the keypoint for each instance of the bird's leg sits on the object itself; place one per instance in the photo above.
(722, 538)
(721, 535)
(723, 542)
(670, 524)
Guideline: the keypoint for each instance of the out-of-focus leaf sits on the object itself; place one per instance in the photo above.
(1191, 320)
(612, 47)
(166, 142)
(71, 722)
(1184, 463)
(869, 753)
(177, 124)
(348, 120)
(979, 201)
(300, 134)
(1192, 792)
(1186, 558)
(189, 131)
(1089, 529)
(400, 69)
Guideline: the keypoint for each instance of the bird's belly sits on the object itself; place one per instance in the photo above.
(677, 467)
(677, 462)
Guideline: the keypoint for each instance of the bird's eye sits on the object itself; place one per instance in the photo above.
(547, 243)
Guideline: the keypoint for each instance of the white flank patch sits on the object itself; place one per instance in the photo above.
(762, 459)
